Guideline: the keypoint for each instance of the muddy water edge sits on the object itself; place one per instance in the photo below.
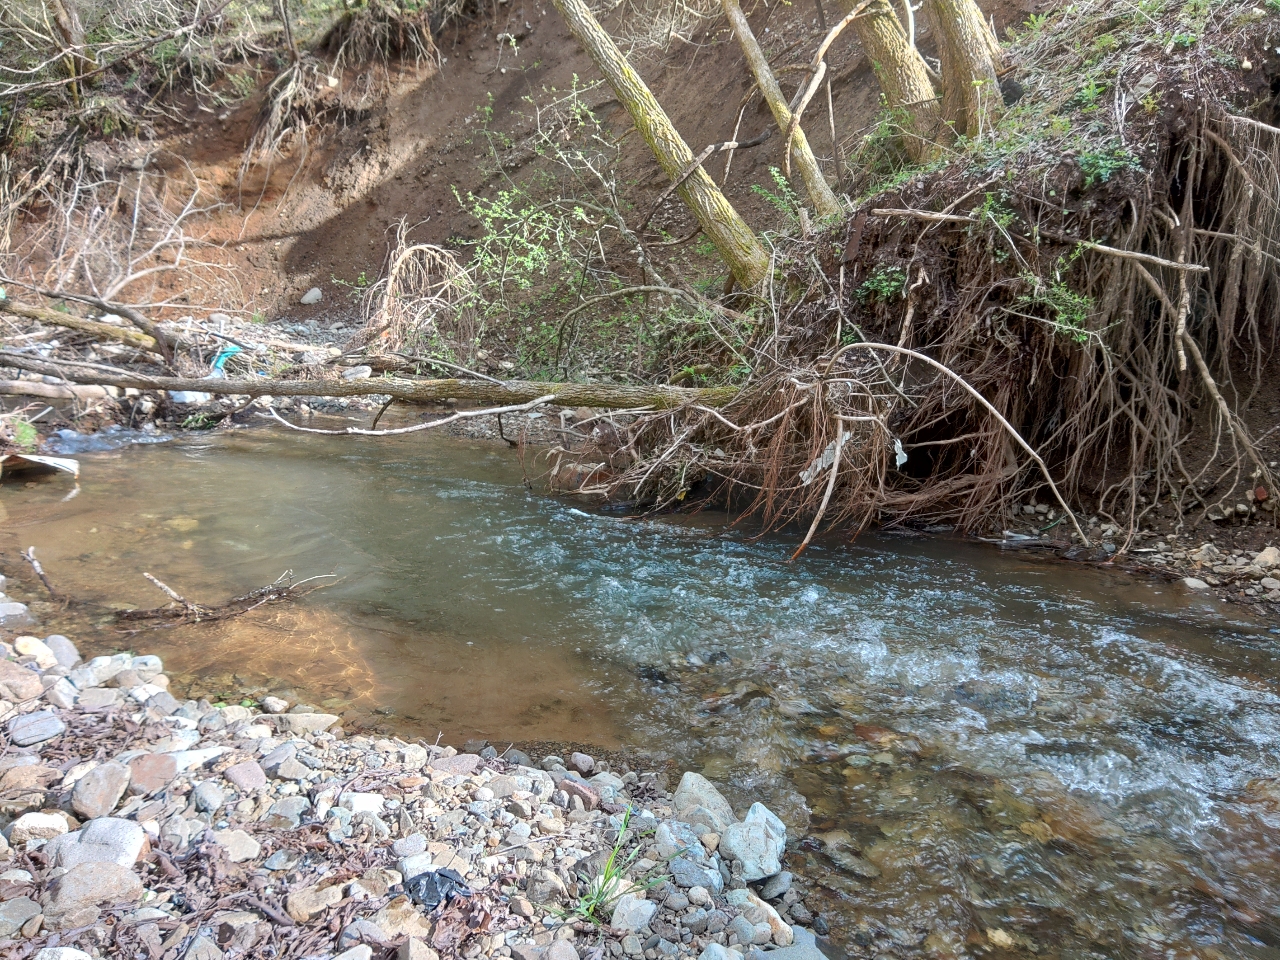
(978, 752)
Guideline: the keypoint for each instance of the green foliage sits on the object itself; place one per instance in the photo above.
(1069, 311)
(884, 284)
(22, 434)
(784, 200)
(596, 904)
(1099, 166)
(357, 288)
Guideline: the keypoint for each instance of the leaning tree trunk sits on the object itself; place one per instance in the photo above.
(971, 58)
(903, 75)
(824, 200)
(737, 244)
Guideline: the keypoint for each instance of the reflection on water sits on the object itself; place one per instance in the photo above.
(988, 753)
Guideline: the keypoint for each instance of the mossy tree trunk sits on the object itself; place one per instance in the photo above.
(971, 59)
(903, 76)
(823, 199)
(737, 244)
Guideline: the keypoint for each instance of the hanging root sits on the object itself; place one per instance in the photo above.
(425, 302)
(1104, 357)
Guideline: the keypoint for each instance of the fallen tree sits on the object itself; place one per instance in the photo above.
(611, 395)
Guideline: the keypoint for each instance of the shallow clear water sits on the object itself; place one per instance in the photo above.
(986, 753)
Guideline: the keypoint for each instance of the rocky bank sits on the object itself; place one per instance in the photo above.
(137, 824)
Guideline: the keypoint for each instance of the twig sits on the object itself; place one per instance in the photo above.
(826, 497)
(30, 557)
(172, 594)
(460, 415)
(818, 68)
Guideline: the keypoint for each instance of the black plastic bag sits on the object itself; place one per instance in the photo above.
(435, 887)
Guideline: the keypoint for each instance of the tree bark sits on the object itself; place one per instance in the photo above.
(737, 244)
(971, 58)
(903, 75)
(104, 331)
(823, 198)
(613, 396)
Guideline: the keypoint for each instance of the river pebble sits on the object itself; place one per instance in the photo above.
(186, 803)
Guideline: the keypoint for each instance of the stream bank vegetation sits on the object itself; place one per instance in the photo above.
(1046, 271)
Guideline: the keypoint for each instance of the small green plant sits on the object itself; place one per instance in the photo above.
(356, 288)
(884, 284)
(1184, 40)
(1101, 165)
(595, 905)
(784, 200)
(19, 433)
(994, 210)
(1070, 310)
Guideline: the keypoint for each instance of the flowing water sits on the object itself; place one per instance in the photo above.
(982, 753)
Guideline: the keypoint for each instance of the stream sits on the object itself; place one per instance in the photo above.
(978, 752)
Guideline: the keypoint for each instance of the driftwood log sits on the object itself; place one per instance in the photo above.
(610, 395)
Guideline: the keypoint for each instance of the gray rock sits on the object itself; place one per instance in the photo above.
(62, 694)
(287, 814)
(582, 762)
(759, 842)
(561, 950)
(631, 914)
(246, 776)
(360, 931)
(238, 844)
(208, 796)
(687, 874)
(776, 886)
(674, 837)
(291, 769)
(300, 724)
(202, 948)
(409, 846)
(164, 703)
(414, 864)
(95, 698)
(98, 791)
(362, 952)
(61, 953)
(312, 296)
(147, 668)
(66, 652)
(715, 951)
(805, 947)
(104, 840)
(272, 761)
(14, 913)
(743, 929)
(518, 757)
(281, 860)
(697, 797)
(74, 897)
(33, 728)
(14, 614)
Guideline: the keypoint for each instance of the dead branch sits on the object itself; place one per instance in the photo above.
(408, 391)
(96, 328)
(396, 431)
